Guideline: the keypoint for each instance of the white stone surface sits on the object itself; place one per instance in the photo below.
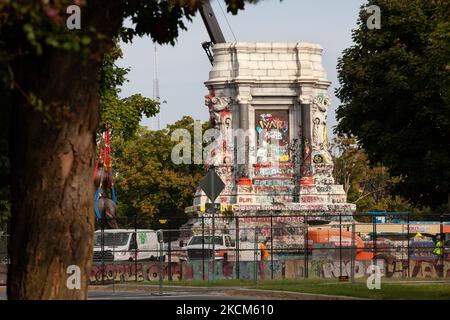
(298, 62)
(275, 76)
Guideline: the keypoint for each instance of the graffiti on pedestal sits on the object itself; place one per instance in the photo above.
(272, 128)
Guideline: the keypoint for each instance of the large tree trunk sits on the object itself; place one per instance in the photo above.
(52, 188)
(52, 157)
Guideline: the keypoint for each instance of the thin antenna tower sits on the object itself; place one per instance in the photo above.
(156, 96)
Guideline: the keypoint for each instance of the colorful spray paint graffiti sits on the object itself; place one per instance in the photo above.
(391, 269)
(280, 269)
(194, 270)
(274, 171)
(272, 127)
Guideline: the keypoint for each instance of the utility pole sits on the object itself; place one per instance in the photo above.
(156, 96)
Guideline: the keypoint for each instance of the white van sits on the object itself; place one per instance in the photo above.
(199, 248)
(126, 245)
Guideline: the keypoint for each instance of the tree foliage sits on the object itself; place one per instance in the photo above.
(367, 185)
(149, 184)
(34, 27)
(395, 93)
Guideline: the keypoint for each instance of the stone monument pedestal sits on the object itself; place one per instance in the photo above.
(268, 102)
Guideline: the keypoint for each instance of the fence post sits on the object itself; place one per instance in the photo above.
(374, 238)
(203, 247)
(340, 244)
(305, 245)
(271, 246)
(407, 237)
(102, 228)
(442, 239)
(213, 237)
(353, 253)
(136, 251)
(238, 251)
(169, 260)
(161, 262)
(114, 268)
(255, 270)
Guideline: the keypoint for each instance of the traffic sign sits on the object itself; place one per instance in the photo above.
(212, 185)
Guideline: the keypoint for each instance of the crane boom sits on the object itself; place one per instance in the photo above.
(213, 28)
(211, 23)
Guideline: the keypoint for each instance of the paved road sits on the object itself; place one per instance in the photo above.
(124, 295)
(141, 292)
(108, 295)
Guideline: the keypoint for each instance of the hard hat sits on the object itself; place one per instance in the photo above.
(418, 234)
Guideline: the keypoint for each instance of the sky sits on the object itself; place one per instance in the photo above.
(183, 68)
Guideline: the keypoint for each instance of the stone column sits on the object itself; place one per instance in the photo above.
(306, 138)
(243, 102)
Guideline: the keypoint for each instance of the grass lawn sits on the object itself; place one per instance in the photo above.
(390, 289)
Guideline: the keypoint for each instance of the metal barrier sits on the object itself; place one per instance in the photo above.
(264, 247)
(274, 246)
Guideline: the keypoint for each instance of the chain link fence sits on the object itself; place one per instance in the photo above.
(275, 246)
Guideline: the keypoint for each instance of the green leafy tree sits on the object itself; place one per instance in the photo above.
(395, 93)
(349, 161)
(368, 186)
(51, 72)
(149, 184)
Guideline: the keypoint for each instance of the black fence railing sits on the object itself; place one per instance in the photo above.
(274, 246)
(267, 246)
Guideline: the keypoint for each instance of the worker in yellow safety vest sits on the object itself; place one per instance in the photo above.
(438, 246)
(264, 251)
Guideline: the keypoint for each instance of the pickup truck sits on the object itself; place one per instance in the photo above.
(199, 248)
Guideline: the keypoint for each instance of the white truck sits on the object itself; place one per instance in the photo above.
(199, 248)
(126, 245)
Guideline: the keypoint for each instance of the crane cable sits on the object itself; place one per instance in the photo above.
(225, 16)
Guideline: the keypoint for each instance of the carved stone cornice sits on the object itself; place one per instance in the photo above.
(305, 99)
(241, 99)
